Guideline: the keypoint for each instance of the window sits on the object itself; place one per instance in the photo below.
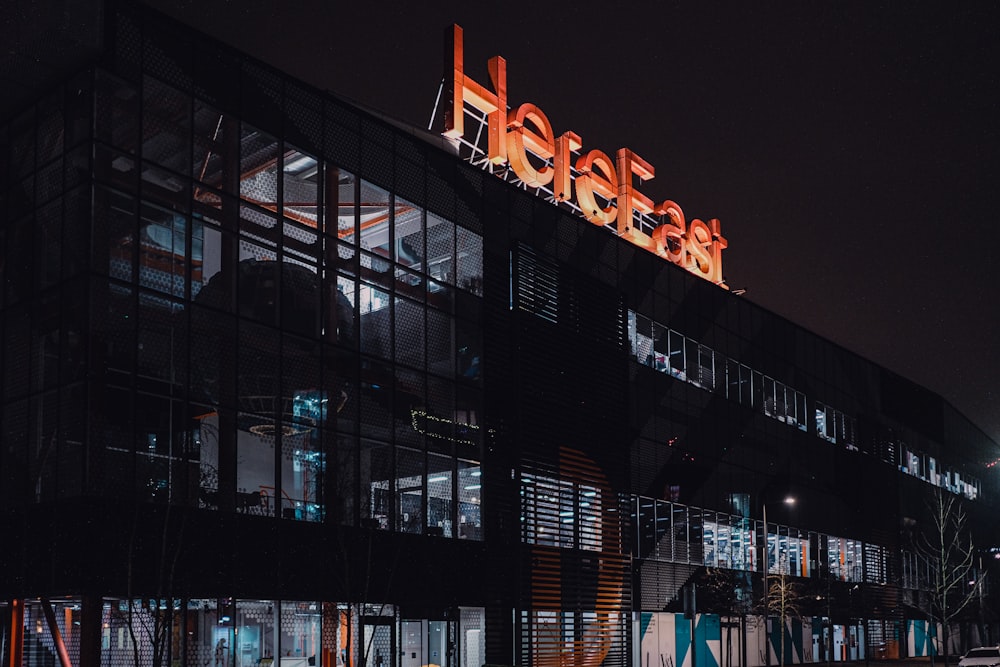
(409, 491)
(835, 426)
(440, 486)
(677, 362)
(470, 526)
(561, 513)
(667, 351)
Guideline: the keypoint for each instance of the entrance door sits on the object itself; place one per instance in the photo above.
(379, 637)
(425, 643)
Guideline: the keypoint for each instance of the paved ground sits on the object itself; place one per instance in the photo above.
(892, 662)
(902, 662)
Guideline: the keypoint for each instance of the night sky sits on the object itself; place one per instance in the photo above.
(850, 149)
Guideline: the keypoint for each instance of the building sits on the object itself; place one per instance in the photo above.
(285, 380)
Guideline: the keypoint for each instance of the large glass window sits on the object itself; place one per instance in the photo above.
(257, 438)
(259, 152)
(410, 331)
(216, 632)
(408, 244)
(410, 491)
(562, 514)
(302, 459)
(299, 633)
(375, 224)
(469, 256)
(667, 351)
(706, 363)
(342, 204)
(163, 261)
(844, 558)
(591, 515)
(205, 436)
(440, 493)
(116, 113)
(788, 551)
(376, 469)
(440, 250)
(468, 349)
(214, 140)
(661, 347)
(300, 196)
(470, 494)
(376, 321)
(768, 396)
(677, 533)
(166, 128)
(254, 297)
(549, 510)
(727, 541)
(835, 426)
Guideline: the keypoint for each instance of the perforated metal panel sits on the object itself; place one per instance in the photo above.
(578, 576)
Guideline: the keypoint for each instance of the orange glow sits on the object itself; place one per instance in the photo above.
(696, 247)
(565, 145)
(521, 136)
(699, 248)
(669, 236)
(597, 175)
(629, 198)
(344, 637)
(461, 89)
(16, 632)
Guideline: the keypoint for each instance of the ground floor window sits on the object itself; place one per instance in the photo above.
(234, 632)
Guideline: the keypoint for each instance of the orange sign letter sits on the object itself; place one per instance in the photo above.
(597, 175)
(521, 137)
(629, 198)
(461, 89)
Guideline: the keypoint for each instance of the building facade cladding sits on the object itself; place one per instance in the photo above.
(283, 380)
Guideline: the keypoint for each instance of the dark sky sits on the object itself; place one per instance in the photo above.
(851, 149)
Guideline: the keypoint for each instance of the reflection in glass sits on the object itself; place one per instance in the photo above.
(299, 640)
(469, 500)
(374, 220)
(439, 495)
(409, 490)
(409, 231)
(376, 469)
(258, 161)
(255, 442)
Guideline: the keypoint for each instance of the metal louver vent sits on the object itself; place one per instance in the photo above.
(536, 283)
(557, 294)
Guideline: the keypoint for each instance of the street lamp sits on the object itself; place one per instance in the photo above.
(766, 560)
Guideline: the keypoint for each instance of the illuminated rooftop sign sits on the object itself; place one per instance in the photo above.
(521, 140)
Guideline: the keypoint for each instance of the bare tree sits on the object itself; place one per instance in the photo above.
(782, 597)
(150, 620)
(946, 544)
(730, 596)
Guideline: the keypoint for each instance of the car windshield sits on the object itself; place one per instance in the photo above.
(984, 653)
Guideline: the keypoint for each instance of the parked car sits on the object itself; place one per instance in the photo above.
(985, 656)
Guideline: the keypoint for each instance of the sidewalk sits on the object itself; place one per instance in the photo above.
(915, 662)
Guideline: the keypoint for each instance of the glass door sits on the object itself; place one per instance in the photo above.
(379, 641)
(426, 643)
(414, 649)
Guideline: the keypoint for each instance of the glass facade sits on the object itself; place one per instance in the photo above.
(669, 352)
(218, 319)
(285, 383)
(258, 313)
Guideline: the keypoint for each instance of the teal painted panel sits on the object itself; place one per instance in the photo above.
(708, 629)
(921, 639)
(645, 618)
(682, 635)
